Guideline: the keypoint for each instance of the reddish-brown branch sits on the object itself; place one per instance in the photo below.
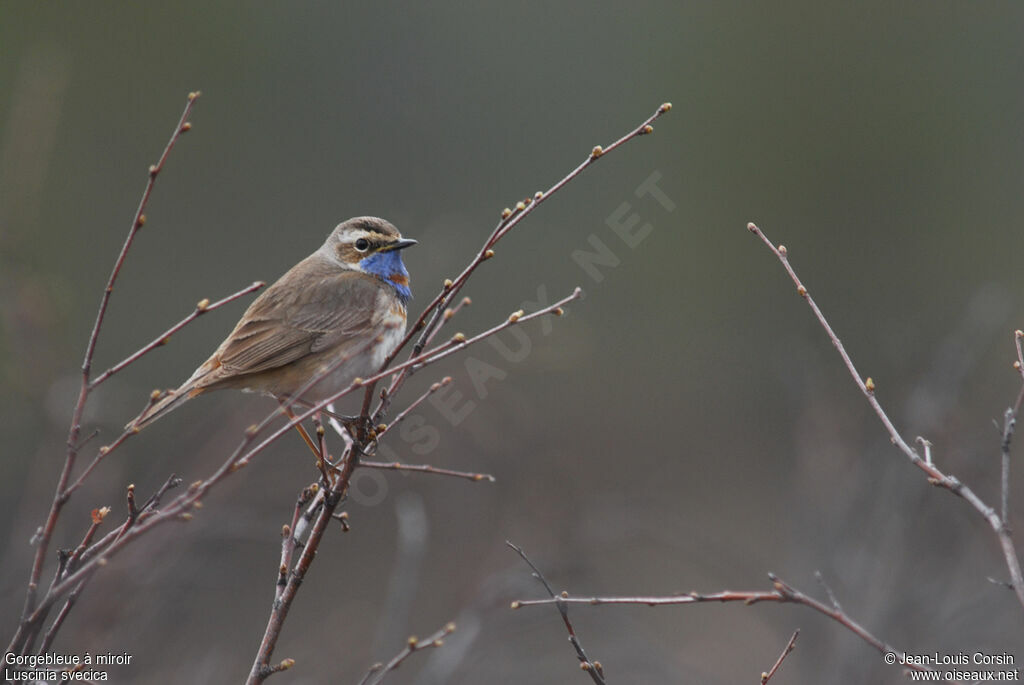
(782, 594)
(375, 675)
(765, 677)
(412, 406)
(261, 667)
(591, 667)
(203, 307)
(59, 498)
(289, 534)
(935, 476)
(425, 468)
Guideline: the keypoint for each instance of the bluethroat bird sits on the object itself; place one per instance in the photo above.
(346, 302)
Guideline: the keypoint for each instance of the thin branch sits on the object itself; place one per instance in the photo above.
(425, 468)
(591, 667)
(1009, 424)
(288, 538)
(18, 643)
(202, 307)
(415, 403)
(765, 677)
(782, 594)
(376, 674)
(101, 453)
(935, 476)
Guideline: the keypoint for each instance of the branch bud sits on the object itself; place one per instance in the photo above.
(520, 206)
(869, 384)
(202, 305)
(596, 152)
(665, 107)
(506, 213)
(515, 316)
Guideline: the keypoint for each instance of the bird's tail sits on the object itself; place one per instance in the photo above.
(165, 405)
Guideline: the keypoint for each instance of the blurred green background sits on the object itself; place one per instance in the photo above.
(686, 427)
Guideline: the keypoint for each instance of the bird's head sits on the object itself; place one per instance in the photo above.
(373, 246)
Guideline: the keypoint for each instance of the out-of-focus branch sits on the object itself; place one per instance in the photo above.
(1009, 424)
(376, 673)
(24, 638)
(783, 593)
(426, 468)
(766, 676)
(591, 667)
(935, 475)
(202, 307)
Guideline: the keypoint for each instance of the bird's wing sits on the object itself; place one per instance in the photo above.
(288, 322)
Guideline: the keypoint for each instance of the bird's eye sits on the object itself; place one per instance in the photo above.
(362, 244)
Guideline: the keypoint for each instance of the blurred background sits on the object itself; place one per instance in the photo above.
(687, 426)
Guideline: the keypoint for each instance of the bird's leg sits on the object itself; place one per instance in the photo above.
(352, 424)
(302, 431)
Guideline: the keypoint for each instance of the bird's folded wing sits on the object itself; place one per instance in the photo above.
(286, 323)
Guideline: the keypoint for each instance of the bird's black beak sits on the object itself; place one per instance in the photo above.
(400, 244)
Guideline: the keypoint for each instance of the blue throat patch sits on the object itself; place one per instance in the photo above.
(388, 267)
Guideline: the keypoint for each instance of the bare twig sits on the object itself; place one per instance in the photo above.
(765, 677)
(202, 307)
(22, 639)
(586, 663)
(376, 673)
(288, 538)
(415, 403)
(426, 468)
(783, 594)
(1009, 424)
(935, 476)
